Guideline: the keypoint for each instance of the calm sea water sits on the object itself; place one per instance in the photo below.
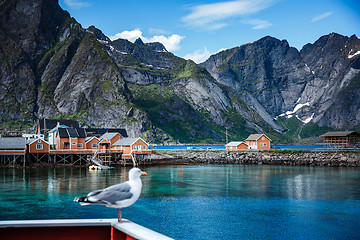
(201, 202)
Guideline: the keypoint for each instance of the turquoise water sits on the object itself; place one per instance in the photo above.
(201, 202)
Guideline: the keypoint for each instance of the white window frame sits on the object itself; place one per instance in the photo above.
(135, 147)
(39, 146)
(74, 143)
(263, 144)
(144, 147)
(94, 145)
(79, 145)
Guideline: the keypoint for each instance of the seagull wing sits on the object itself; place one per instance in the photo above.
(111, 194)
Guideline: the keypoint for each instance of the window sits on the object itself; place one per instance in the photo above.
(73, 143)
(263, 138)
(39, 141)
(144, 147)
(262, 144)
(134, 147)
(73, 137)
(94, 145)
(80, 145)
(39, 146)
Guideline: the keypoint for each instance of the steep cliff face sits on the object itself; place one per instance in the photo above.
(308, 85)
(52, 67)
(27, 31)
(333, 61)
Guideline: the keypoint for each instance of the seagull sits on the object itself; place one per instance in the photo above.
(117, 196)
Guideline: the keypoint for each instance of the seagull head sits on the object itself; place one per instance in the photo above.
(135, 173)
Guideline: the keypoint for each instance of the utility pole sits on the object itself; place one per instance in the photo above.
(226, 137)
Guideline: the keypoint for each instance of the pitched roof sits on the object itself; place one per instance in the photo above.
(234, 144)
(109, 136)
(12, 143)
(127, 141)
(51, 123)
(90, 138)
(339, 134)
(72, 132)
(81, 132)
(63, 133)
(255, 137)
(102, 131)
(31, 141)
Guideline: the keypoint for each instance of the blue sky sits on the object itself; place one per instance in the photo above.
(196, 29)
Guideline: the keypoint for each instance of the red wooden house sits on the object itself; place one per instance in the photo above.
(70, 139)
(107, 141)
(38, 146)
(131, 147)
(236, 146)
(91, 143)
(258, 141)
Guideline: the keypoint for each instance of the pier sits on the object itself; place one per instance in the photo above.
(12, 158)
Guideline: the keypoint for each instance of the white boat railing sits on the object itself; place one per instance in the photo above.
(134, 230)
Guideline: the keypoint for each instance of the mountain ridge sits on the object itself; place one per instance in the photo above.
(63, 70)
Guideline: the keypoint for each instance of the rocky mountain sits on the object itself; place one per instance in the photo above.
(52, 67)
(317, 85)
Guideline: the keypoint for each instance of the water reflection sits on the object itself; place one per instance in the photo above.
(239, 181)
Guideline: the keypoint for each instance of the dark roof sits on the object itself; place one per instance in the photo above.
(63, 133)
(81, 132)
(72, 132)
(12, 143)
(339, 134)
(51, 123)
(102, 131)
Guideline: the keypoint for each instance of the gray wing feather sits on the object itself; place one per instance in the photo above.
(111, 194)
(122, 187)
(93, 193)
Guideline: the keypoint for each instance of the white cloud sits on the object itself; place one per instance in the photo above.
(129, 35)
(199, 56)
(76, 4)
(215, 15)
(171, 43)
(321, 16)
(258, 24)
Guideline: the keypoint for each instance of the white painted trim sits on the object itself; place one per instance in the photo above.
(139, 232)
(56, 223)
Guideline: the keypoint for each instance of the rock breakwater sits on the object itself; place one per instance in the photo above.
(332, 159)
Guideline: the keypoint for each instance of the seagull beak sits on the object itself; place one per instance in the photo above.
(143, 173)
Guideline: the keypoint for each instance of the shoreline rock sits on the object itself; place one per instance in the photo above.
(330, 159)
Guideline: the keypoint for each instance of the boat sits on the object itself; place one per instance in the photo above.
(94, 167)
(80, 229)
